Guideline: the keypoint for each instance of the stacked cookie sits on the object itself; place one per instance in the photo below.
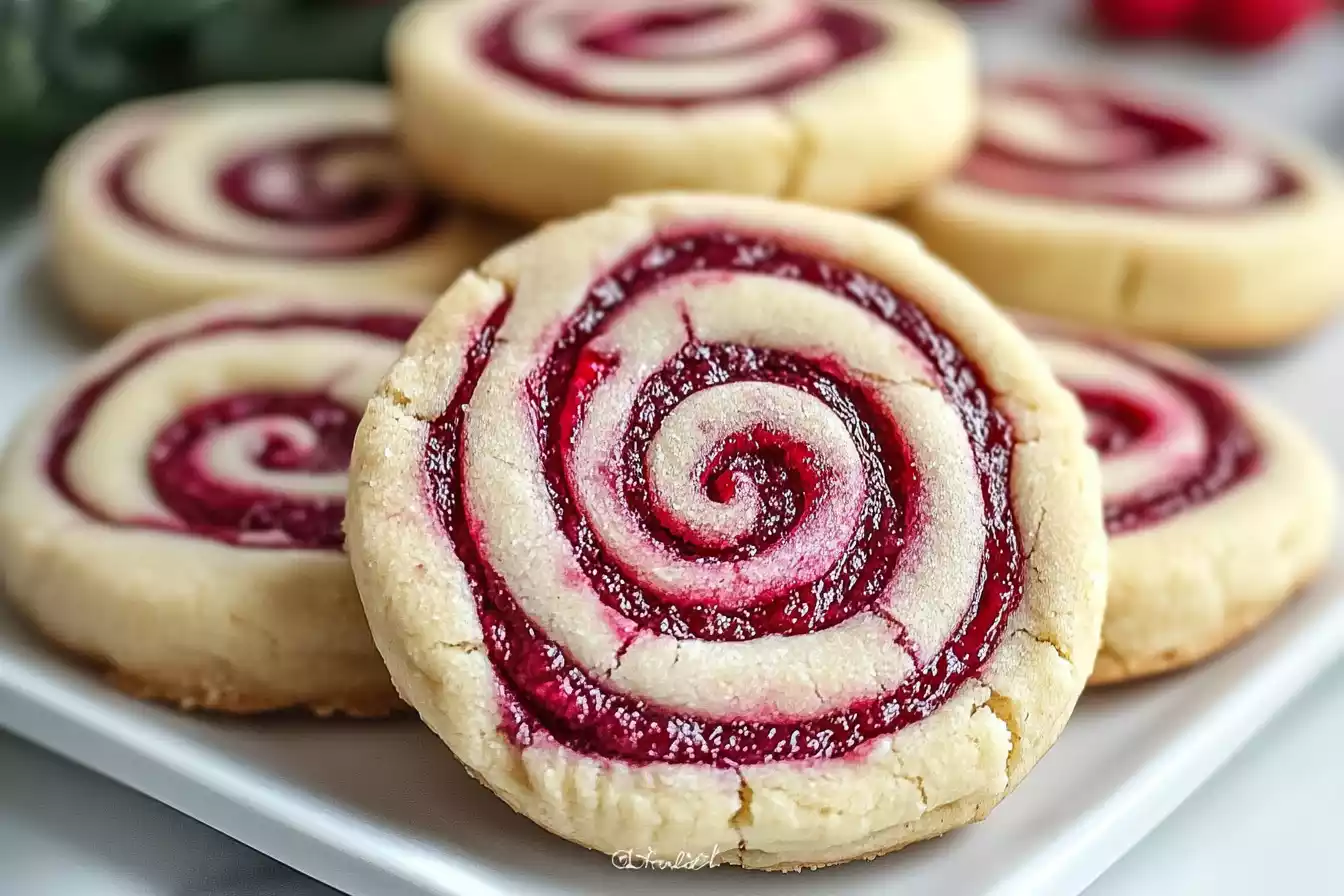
(1130, 216)
(164, 203)
(1087, 202)
(702, 520)
(174, 512)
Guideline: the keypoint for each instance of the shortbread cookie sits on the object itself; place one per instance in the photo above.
(544, 108)
(1083, 201)
(1218, 508)
(298, 188)
(174, 511)
(704, 524)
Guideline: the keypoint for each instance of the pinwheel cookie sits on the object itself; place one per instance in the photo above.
(165, 202)
(1089, 202)
(1218, 508)
(708, 524)
(174, 511)
(545, 108)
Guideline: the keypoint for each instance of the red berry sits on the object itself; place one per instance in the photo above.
(1144, 18)
(1254, 23)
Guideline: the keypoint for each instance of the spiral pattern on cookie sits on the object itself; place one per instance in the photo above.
(235, 428)
(1170, 436)
(749, 461)
(278, 177)
(1088, 144)
(676, 52)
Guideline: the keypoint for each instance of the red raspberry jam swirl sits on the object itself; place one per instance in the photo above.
(545, 693)
(1123, 423)
(304, 432)
(734, 49)
(1089, 145)
(298, 185)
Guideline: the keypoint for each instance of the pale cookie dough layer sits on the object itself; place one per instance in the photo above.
(1198, 275)
(164, 203)
(434, 503)
(114, 555)
(861, 135)
(1190, 583)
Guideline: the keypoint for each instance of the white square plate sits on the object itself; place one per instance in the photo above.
(382, 809)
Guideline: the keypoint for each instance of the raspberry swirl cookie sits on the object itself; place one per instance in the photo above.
(556, 106)
(1084, 201)
(1218, 508)
(174, 511)
(165, 202)
(710, 524)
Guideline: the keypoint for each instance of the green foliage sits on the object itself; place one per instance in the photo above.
(63, 61)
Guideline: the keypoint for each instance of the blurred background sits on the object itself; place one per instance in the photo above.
(1278, 62)
(63, 61)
